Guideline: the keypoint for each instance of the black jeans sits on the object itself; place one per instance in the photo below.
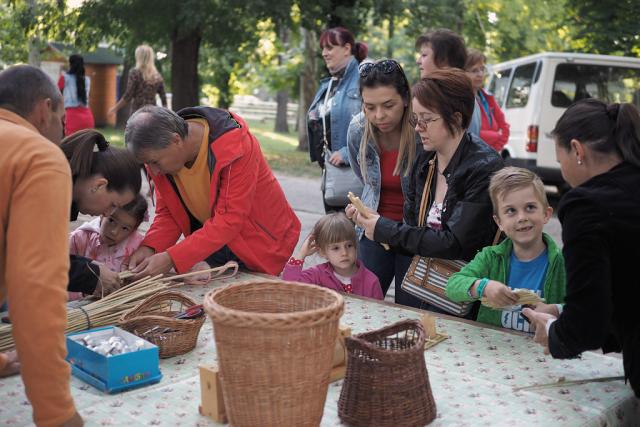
(387, 265)
(222, 256)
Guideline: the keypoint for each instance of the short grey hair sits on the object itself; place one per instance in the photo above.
(22, 86)
(152, 128)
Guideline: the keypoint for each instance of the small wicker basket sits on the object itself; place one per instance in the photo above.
(154, 320)
(275, 343)
(387, 383)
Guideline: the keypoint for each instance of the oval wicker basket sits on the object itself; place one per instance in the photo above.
(386, 383)
(275, 343)
(154, 320)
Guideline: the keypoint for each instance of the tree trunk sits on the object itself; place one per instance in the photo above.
(184, 69)
(308, 87)
(282, 97)
(123, 114)
(223, 78)
(392, 27)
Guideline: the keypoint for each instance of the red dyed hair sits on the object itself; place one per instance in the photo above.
(340, 36)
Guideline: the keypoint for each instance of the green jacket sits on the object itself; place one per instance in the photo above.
(493, 263)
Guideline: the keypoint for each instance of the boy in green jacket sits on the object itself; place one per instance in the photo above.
(527, 259)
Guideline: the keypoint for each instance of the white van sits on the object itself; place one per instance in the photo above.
(533, 92)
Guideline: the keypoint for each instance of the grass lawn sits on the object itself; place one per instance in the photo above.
(279, 149)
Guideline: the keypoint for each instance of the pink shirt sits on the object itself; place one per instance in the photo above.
(85, 241)
(363, 282)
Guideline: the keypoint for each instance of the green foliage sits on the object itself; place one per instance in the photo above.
(605, 26)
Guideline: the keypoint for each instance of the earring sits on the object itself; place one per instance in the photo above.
(94, 189)
(579, 161)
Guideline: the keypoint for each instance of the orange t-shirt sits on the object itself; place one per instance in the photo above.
(35, 195)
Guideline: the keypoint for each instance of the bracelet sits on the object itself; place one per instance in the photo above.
(481, 286)
(293, 261)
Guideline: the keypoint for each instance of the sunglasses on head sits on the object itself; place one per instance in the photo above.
(387, 66)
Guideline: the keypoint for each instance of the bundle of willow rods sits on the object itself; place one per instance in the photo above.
(108, 310)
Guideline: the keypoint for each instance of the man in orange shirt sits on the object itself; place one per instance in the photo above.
(35, 195)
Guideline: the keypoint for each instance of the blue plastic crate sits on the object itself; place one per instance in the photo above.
(114, 373)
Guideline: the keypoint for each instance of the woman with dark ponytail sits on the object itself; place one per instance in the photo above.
(337, 101)
(598, 148)
(104, 178)
(74, 86)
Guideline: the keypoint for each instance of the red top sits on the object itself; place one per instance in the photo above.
(391, 199)
(495, 134)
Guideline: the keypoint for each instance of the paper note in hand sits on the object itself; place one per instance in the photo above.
(362, 210)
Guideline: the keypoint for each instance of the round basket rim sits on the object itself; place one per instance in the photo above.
(361, 339)
(221, 313)
(132, 313)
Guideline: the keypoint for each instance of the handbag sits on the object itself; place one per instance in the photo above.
(427, 277)
(337, 181)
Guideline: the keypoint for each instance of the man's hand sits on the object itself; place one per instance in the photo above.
(11, 364)
(499, 294)
(108, 282)
(539, 324)
(156, 264)
(140, 254)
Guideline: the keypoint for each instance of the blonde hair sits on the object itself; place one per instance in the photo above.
(333, 228)
(474, 57)
(512, 178)
(144, 63)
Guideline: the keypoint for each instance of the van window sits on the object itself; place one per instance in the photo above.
(574, 82)
(521, 86)
(499, 84)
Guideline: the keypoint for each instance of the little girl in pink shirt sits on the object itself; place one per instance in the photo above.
(334, 238)
(111, 239)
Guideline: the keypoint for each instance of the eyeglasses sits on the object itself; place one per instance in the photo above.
(480, 71)
(387, 66)
(422, 123)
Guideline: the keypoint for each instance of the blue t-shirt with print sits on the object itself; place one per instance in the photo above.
(524, 275)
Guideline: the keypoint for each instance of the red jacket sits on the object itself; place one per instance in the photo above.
(249, 211)
(497, 134)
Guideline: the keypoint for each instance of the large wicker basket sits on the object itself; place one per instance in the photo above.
(275, 343)
(387, 383)
(154, 320)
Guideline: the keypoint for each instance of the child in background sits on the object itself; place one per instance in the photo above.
(334, 238)
(110, 239)
(527, 259)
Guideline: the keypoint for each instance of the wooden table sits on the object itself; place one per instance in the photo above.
(472, 376)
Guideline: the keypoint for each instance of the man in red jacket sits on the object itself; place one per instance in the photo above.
(213, 186)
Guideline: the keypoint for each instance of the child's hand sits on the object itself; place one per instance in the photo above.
(551, 309)
(308, 247)
(499, 294)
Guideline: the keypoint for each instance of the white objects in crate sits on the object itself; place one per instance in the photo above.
(111, 346)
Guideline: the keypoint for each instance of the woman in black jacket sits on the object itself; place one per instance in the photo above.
(459, 215)
(104, 179)
(598, 147)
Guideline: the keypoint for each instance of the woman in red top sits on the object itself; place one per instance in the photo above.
(382, 148)
(494, 130)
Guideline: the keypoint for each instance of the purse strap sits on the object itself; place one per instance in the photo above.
(424, 203)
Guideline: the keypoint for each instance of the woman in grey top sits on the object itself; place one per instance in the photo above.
(382, 149)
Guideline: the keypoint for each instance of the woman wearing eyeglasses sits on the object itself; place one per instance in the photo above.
(382, 148)
(337, 100)
(494, 129)
(459, 215)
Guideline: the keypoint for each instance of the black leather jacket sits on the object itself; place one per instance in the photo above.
(467, 222)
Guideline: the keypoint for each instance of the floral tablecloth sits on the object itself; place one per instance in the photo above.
(472, 375)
